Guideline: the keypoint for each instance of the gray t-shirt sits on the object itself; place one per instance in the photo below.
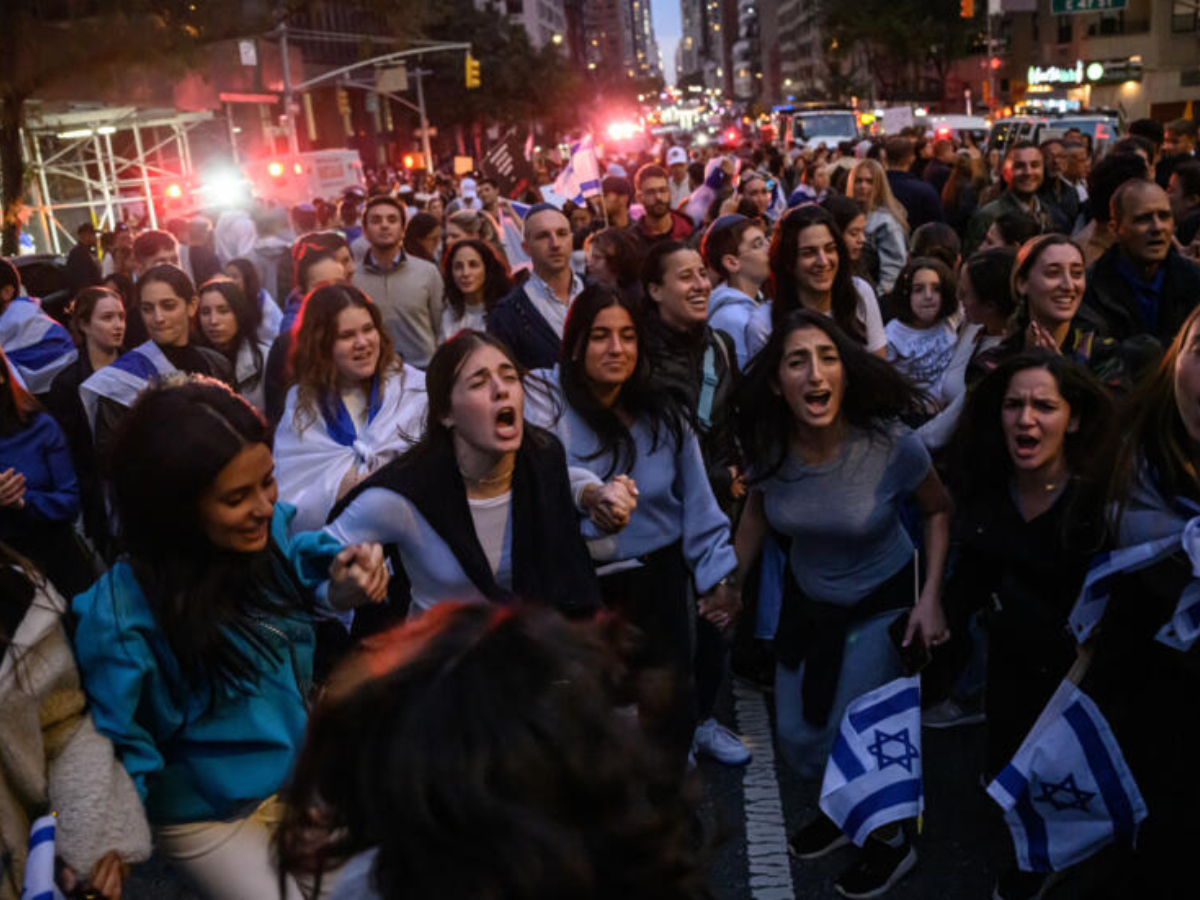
(844, 516)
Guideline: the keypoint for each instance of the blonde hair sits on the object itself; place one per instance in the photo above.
(881, 192)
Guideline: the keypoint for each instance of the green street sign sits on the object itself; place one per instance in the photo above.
(1066, 7)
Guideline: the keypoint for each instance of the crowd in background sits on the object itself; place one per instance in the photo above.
(402, 543)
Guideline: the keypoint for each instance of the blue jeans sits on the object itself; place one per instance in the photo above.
(870, 661)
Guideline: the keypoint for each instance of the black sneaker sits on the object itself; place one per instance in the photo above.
(818, 838)
(1017, 885)
(880, 867)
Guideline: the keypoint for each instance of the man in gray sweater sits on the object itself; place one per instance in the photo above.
(408, 291)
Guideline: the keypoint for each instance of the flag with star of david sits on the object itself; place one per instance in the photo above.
(873, 776)
(1068, 791)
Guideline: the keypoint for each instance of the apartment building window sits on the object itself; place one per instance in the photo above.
(1064, 29)
(1184, 16)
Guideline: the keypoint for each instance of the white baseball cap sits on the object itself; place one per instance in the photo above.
(676, 155)
(467, 187)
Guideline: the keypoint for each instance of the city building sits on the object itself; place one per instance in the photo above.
(621, 33)
(747, 52)
(543, 20)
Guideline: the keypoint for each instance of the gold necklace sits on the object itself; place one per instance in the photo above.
(494, 479)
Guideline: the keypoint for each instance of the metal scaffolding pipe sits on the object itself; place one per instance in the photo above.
(109, 213)
(141, 161)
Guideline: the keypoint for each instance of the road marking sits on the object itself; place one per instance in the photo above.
(770, 876)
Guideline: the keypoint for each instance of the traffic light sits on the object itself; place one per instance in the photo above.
(414, 161)
(472, 72)
(966, 9)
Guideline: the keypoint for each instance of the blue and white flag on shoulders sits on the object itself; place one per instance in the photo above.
(580, 177)
(1068, 791)
(36, 345)
(39, 864)
(873, 776)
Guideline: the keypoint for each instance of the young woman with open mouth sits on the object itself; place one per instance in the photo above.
(355, 405)
(1027, 473)
(829, 468)
(810, 268)
(613, 422)
(481, 507)
(1048, 281)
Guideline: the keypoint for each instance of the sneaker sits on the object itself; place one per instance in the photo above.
(715, 740)
(818, 838)
(1017, 885)
(950, 714)
(879, 868)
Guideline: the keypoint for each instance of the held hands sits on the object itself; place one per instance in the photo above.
(107, 878)
(610, 505)
(1037, 337)
(12, 489)
(358, 576)
(721, 606)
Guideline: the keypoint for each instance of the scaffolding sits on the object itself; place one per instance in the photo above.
(74, 163)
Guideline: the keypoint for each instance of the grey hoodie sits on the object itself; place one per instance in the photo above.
(729, 310)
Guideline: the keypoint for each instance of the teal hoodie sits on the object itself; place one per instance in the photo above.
(192, 760)
(729, 311)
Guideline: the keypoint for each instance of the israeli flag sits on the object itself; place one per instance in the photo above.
(580, 177)
(36, 346)
(39, 865)
(873, 776)
(1068, 791)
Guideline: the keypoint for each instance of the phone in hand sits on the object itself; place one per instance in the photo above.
(915, 656)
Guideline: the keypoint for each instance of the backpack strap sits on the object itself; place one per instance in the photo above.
(708, 388)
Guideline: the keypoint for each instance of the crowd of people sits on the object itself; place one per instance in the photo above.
(403, 546)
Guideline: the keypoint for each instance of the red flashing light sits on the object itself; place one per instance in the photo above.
(275, 169)
(996, 62)
(943, 132)
(174, 191)
(408, 161)
(732, 135)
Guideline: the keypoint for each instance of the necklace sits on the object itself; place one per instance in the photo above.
(491, 479)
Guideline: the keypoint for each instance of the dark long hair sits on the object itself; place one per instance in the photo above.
(978, 457)
(479, 749)
(168, 450)
(172, 276)
(253, 284)
(420, 227)
(874, 393)
(638, 398)
(497, 281)
(990, 272)
(1149, 431)
(784, 254)
(17, 405)
(248, 315)
(902, 293)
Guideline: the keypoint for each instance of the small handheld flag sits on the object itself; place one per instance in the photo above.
(873, 776)
(580, 177)
(39, 865)
(1068, 791)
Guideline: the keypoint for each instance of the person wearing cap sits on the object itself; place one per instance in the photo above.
(409, 291)
(679, 182)
(468, 197)
(618, 194)
(737, 249)
(531, 319)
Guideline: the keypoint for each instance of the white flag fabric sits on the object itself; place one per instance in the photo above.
(37, 347)
(39, 865)
(1068, 791)
(580, 177)
(873, 776)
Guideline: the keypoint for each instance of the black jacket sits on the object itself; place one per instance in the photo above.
(516, 321)
(1110, 306)
(1062, 202)
(550, 562)
(677, 366)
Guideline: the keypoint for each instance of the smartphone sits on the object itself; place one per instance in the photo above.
(915, 656)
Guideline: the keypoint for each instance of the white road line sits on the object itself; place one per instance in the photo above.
(770, 875)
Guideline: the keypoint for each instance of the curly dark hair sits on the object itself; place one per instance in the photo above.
(479, 750)
(902, 293)
(497, 280)
(784, 254)
(874, 393)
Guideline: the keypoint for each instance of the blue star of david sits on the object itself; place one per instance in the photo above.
(1051, 792)
(904, 757)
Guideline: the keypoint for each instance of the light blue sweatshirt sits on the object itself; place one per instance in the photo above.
(675, 501)
(729, 310)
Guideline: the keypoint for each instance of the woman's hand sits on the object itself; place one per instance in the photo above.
(721, 606)
(610, 505)
(737, 483)
(12, 489)
(927, 621)
(1038, 338)
(358, 576)
(108, 875)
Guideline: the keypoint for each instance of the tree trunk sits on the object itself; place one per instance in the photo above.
(12, 166)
